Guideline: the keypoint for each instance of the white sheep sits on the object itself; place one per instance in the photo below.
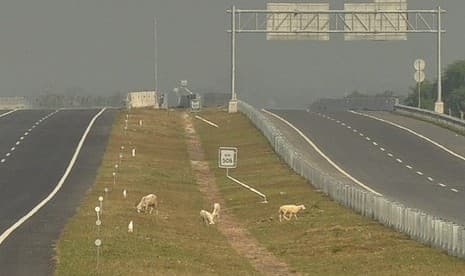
(146, 202)
(207, 217)
(216, 211)
(291, 210)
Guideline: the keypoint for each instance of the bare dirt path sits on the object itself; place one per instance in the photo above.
(238, 237)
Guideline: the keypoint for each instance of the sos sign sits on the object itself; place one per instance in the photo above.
(227, 157)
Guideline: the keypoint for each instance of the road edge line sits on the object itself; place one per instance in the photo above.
(8, 113)
(34, 210)
(315, 147)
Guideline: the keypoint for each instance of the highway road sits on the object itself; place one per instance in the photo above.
(390, 160)
(36, 147)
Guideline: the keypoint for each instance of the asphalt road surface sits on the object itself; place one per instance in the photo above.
(393, 162)
(36, 147)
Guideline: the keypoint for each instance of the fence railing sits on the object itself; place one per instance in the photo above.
(417, 224)
(442, 119)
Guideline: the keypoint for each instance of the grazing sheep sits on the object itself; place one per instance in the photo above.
(291, 210)
(207, 217)
(216, 211)
(146, 202)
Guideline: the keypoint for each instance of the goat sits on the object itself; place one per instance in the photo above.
(291, 210)
(216, 211)
(146, 202)
(207, 217)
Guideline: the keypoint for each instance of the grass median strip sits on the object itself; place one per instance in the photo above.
(327, 239)
(173, 243)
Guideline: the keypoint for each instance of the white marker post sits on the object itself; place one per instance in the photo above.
(100, 199)
(98, 243)
(98, 222)
(227, 159)
(140, 122)
(114, 178)
(134, 152)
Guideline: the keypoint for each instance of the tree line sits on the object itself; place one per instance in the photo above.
(453, 91)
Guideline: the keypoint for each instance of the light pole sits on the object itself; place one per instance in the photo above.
(439, 105)
(232, 108)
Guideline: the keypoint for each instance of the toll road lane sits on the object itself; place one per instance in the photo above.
(33, 173)
(393, 162)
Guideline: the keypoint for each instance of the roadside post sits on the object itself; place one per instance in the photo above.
(227, 159)
(419, 76)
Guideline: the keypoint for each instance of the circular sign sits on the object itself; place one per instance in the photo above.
(419, 64)
(100, 198)
(106, 190)
(98, 242)
(98, 223)
(419, 76)
(97, 209)
(114, 174)
(122, 147)
(116, 165)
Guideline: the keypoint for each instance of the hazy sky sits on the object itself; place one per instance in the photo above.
(104, 46)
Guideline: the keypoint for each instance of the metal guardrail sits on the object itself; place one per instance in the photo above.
(419, 225)
(449, 121)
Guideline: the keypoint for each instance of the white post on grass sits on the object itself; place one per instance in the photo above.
(227, 159)
(98, 243)
(133, 152)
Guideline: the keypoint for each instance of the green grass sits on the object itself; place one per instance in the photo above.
(327, 239)
(173, 243)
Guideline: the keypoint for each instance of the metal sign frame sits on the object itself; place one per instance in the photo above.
(254, 21)
(223, 151)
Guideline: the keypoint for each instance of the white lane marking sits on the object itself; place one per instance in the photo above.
(399, 160)
(442, 185)
(29, 130)
(321, 153)
(13, 148)
(368, 139)
(8, 154)
(26, 133)
(58, 186)
(375, 144)
(21, 138)
(419, 173)
(390, 154)
(33, 126)
(206, 121)
(430, 179)
(454, 190)
(343, 124)
(7, 113)
(3, 160)
(382, 149)
(18, 142)
(355, 130)
(409, 167)
(414, 133)
(361, 134)
(338, 122)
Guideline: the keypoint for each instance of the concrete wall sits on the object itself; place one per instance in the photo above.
(143, 99)
(13, 102)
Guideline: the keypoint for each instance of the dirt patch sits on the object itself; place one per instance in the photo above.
(238, 236)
